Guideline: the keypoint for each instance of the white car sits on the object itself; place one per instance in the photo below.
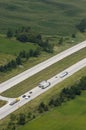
(63, 74)
(26, 97)
(44, 84)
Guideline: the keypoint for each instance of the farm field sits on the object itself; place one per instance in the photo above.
(71, 115)
(45, 16)
(33, 81)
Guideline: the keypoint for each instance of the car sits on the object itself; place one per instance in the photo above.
(44, 84)
(24, 96)
(15, 101)
(30, 92)
(63, 74)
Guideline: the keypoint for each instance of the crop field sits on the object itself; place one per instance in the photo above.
(33, 81)
(70, 116)
(45, 16)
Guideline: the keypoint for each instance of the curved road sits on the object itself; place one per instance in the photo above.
(28, 73)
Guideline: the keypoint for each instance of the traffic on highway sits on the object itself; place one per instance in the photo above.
(15, 103)
(30, 95)
(28, 73)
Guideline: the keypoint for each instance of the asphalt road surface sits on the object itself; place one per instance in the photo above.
(7, 109)
(28, 73)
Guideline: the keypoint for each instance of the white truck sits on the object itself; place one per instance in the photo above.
(44, 84)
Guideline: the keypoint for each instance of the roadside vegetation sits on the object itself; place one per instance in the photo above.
(65, 95)
(70, 115)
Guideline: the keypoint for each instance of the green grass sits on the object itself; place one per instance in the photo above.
(70, 116)
(45, 74)
(45, 16)
(13, 47)
(2, 103)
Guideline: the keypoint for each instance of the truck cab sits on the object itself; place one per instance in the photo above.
(44, 84)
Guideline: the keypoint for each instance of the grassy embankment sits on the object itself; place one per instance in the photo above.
(45, 74)
(71, 115)
(45, 16)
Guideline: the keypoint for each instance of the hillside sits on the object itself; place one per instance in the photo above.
(45, 16)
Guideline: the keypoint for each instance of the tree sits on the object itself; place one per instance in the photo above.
(82, 25)
(50, 48)
(51, 102)
(82, 83)
(22, 37)
(21, 119)
(41, 107)
(12, 117)
(37, 51)
(60, 41)
(31, 52)
(73, 35)
(9, 33)
(29, 115)
(18, 61)
(13, 63)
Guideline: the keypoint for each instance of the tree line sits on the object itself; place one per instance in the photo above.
(65, 95)
(25, 34)
(82, 25)
(22, 56)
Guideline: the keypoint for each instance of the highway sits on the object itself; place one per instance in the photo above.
(28, 73)
(7, 109)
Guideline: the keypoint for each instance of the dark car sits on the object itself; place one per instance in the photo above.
(24, 96)
(30, 92)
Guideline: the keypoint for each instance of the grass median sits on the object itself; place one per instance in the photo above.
(47, 73)
(2, 103)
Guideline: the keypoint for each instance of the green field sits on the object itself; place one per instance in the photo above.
(33, 81)
(70, 116)
(13, 47)
(45, 16)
